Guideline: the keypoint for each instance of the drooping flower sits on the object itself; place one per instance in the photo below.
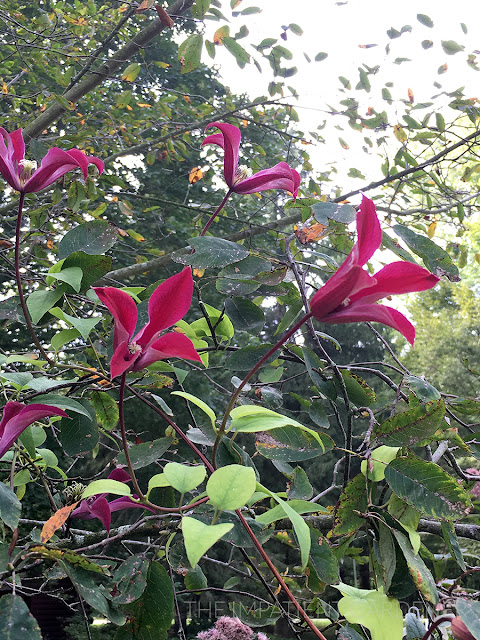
(351, 293)
(168, 303)
(18, 416)
(23, 176)
(227, 628)
(99, 507)
(281, 176)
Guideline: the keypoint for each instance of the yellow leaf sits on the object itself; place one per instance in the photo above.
(198, 272)
(163, 65)
(477, 258)
(136, 236)
(399, 133)
(431, 230)
(144, 105)
(55, 522)
(220, 34)
(4, 88)
(244, 123)
(144, 6)
(196, 174)
(187, 99)
(310, 233)
(411, 96)
(236, 4)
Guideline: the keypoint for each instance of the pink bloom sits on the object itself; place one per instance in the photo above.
(281, 176)
(99, 507)
(17, 417)
(168, 303)
(351, 293)
(21, 174)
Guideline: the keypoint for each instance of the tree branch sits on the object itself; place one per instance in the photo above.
(94, 79)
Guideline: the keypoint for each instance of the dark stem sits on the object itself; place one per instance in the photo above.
(435, 625)
(251, 373)
(18, 279)
(279, 578)
(121, 419)
(217, 211)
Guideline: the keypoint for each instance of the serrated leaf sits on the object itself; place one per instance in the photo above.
(421, 576)
(411, 426)
(427, 488)
(353, 498)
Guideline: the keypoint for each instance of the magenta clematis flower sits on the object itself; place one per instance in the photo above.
(17, 417)
(99, 507)
(22, 175)
(281, 176)
(351, 293)
(168, 303)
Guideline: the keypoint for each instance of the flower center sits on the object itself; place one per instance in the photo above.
(241, 172)
(133, 347)
(25, 170)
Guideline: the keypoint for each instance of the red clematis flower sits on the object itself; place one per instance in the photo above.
(168, 303)
(17, 417)
(351, 293)
(99, 507)
(22, 175)
(281, 176)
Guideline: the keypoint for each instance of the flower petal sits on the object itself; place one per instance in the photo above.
(18, 145)
(337, 290)
(168, 303)
(56, 164)
(369, 232)
(360, 312)
(100, 508)
(171, 345)
(124, 311)
(126, 502)
(281, 176)
(7, 152)
(396, 278)
(122, 360)
(230, 144)
(16, 419)
(120, 475)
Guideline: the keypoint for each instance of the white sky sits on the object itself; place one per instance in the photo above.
(338, 31)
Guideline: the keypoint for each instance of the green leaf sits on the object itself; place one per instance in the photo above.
(93, 267)
(254, 617)
(245, 315)
(251, 418)
(246, 358)
(299, 525)
(353, 498)
(451, 47)
(202, 6)
(296, 29)
(425, 20)
(106, 409)
(190, 52)
(184, 478)
(380, 458)
(422, 389)
(156, 481)
(83, 325)
(435, 258)
(325, 211)
(222, 327)
(71, 275)
(92, 592)
(426, 487)
(94, 237)
(358, 390)
(211, 252)
(278, 513)
(470, 614)
(387, 559)
(421, 576)
(16, 621)
(131, 72)
(199, 403)
(450, 537)
(141, 455)
(323, 559)
(414, 425)
(106, 486)
(237, 51)
(230, 487)
(10, 507)
(321, 56)
(64, 402)
(199, 537)
(79, 434)
(381, 615)
(130, 579)
(41, 301)
(414, 627)
(290, 444)
(195, 579)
